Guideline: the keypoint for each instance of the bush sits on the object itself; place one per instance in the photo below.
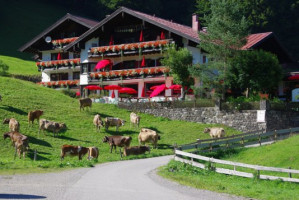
(3, 68)
(70, 93)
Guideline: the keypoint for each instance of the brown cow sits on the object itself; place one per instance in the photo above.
(117, 140)
(148, 135)
(73, 151)
(136, 150)
(32, 115)
(14, 125)
(93, 152)
(55, 127)
(98, 122)
(111, 121)
(22, 147)
(14, 136)
(86, 102)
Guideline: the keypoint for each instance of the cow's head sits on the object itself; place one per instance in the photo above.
(6, 121)
(63, 126)
(122, 122)
(105, 139)
(147, 148)
(207, 130)
(6, 135)
(159, 137)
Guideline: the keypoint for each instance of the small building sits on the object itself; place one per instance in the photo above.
(124, 49)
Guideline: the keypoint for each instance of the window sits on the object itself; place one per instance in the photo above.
(76, 75)
(63, 56)
(204, 59)
(59, 77)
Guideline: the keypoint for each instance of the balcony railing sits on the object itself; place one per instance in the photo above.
(62, 42)
(60, 83)
(58, 63)
(129, 49)
(131, 73)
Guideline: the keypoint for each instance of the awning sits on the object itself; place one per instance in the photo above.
(103, 63)
(293, 77)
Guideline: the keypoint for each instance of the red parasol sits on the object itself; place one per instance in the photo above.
(78, 93)
(103, 63)
(112, 87)
(93, 87)
(175, 87)
(111, 41)
(141, 36)
(293, 77)
(162, 37)
(112, 95)
(154, 87)
(128, 91)
(158, 90)
(143, 62)
(142, 92)
(59, 56)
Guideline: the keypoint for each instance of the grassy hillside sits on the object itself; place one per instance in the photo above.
(19, 66)
(19, 97)
(281, 154)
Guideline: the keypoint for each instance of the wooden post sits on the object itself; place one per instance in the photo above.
(211, 147)
(290, 174)
(290, 132)
(243, 141)
(260, 139)
(275, 135)
(234, 167)
(35, 154)
(258, 174)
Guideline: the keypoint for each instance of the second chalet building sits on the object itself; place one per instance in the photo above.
(124, 49)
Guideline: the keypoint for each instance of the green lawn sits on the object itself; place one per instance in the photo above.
(19, 66)
(19, 97)
(281, 154)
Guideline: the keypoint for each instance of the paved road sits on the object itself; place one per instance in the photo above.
(126, 180)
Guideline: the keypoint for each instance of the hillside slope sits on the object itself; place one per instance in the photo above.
(19, 66)
(20, 97)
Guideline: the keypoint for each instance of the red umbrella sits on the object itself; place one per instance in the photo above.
(142, 92)
(59, 56)
(103, 63)
(93, 87)
(143, 62)
(112, 87)
(158, 90)
(78, 94)
(154, 87)
(111, 41)
(162, 37)
(175, 87)
(141, 36)
(112, 95)
(128, 91)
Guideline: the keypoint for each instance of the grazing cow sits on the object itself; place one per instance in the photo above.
(136, 150)
(86, 102)
(117, 140)
(97, 121)
(134, 119)
(215, 132)
(21, 146)
(93, 152)
(55, 127)
(32, 115)
(14, 136)
(148, 135)
(73, 151)
(110, 121)
(14, 125)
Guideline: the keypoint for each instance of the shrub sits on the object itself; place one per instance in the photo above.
(70, 93)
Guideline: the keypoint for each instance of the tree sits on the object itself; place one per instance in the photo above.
(226, 34)
(256, 70)
(3, 68)
(179, 61)
(203, 9)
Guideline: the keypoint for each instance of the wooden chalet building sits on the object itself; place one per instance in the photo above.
(123, 49)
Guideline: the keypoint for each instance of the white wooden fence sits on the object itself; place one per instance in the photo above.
(213, 161)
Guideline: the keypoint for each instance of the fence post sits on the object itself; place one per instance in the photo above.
(258, 174)
(35, 153)
(275, 135)
(234, 167)
(243, 141)
(260, 139)
(290, 132)
(290, 174)
(211, 147)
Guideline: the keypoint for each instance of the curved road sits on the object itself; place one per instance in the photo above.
(126, 180)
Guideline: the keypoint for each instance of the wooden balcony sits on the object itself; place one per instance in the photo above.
(130, 73)
(55, 64)
(129, 49)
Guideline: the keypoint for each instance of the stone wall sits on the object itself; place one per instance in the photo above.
(245, 120)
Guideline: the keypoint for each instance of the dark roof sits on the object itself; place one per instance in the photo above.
(81, 20)
(254, 39)
(173, 27)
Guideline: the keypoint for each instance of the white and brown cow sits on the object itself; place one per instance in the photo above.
(134, 119)
(148, 135)
(98, 122)
(70, 150)
(93, 152)
(111, 121)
